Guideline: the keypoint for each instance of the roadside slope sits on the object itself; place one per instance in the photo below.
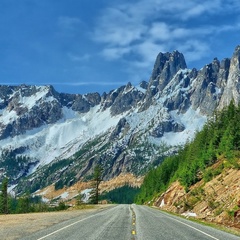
(217, 200)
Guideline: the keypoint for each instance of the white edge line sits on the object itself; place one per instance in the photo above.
(60, 229)
(194, 228)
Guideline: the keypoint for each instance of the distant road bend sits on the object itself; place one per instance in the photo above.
(130, 222)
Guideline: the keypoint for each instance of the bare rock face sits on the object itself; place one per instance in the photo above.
(32, 107)
(121, 127)
(122, 99)
(29, 107)
(166, 126)
(165, 67)
(205, 95)
(231, 89)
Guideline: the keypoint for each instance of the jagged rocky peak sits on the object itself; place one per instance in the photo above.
(231, 90)
(144, 85)
(122, 99)
(165, 67)
(173, 60)
(27, 107)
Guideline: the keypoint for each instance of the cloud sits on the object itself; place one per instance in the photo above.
(118, 28)
(115, 53)
(194, 50)
(160, 31)
(137, 32)
(147, 52)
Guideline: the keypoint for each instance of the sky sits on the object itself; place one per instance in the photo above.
(83, 46)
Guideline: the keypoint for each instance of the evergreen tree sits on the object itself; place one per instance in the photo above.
(4, 197)
(23, 205)
(97, 178)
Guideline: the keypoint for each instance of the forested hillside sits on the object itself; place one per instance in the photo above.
(219, 138)
(122, 195)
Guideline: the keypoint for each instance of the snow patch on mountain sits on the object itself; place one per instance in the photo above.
(193, 122)
(64, 137)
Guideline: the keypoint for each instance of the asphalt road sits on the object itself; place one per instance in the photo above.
(130, 222)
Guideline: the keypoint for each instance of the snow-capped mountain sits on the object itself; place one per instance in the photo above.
(55, 137)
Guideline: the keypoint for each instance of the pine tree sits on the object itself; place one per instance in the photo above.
(4, 197)
(23, 205)
(97, 178)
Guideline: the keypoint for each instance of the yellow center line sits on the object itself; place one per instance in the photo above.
(133, 222)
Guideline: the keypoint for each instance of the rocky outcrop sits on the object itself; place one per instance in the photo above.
(31, 107)
(165, 68)
(122, 99)
(121, 128)
(231, 90)
(166, 126)
(212, 201)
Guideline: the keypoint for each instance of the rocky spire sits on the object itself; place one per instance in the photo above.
(165, 67)
(232, 88)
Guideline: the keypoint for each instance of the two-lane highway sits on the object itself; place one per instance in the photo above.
(128, 222)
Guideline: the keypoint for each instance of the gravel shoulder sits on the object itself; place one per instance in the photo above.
(15, 226)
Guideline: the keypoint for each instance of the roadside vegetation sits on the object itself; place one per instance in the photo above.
(97, 178)
(219, 138)
(26, 203)
(122, 195)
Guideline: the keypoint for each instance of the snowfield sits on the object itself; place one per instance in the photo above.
(64, 137)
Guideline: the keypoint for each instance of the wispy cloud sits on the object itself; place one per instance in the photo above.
(143, 28)
(114, 53)
(117, 27)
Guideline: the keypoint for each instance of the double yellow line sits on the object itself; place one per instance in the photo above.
(133, 221)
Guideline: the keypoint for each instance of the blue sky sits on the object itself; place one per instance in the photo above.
(82, 46)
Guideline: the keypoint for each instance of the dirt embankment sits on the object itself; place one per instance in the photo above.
(68, 193)
(217, 201)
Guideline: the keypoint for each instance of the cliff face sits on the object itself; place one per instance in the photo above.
(232, 85)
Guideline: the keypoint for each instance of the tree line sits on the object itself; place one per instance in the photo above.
(122, 195)
(12, 205)
(28, 203)
(219, 138)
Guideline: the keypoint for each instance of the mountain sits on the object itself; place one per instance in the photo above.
(48, 137)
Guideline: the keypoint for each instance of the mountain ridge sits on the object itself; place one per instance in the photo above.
(128, 129)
